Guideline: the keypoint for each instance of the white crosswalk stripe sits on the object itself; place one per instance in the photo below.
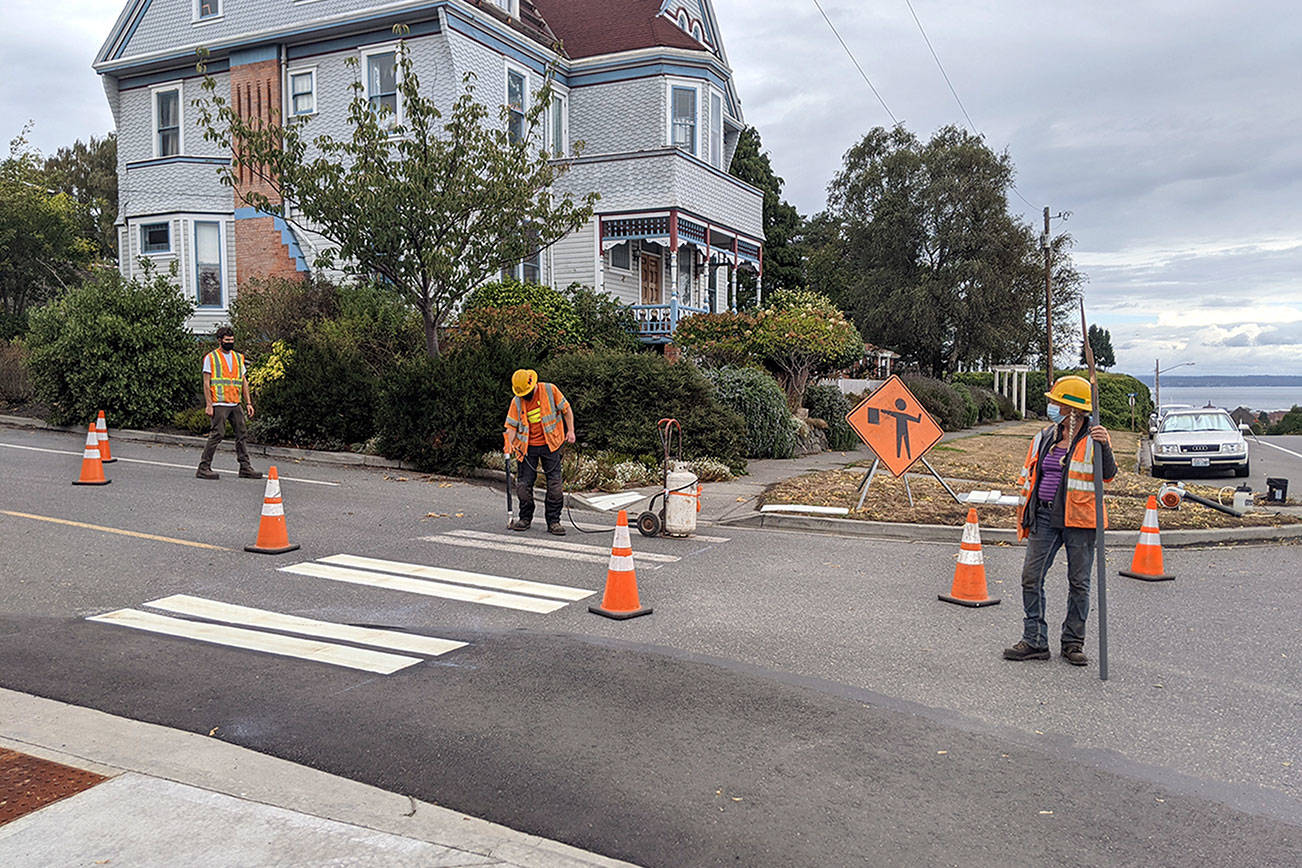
(550, 547)
(365, 659)
(416, 579)
(393, 640)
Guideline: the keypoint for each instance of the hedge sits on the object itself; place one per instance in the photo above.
(941, 400)
(618, 398)
(325, 400)
(829, 404)
(757, 398)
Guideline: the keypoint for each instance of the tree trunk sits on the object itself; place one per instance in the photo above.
(431, 332)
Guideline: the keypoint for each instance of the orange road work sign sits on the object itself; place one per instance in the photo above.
(894, 425)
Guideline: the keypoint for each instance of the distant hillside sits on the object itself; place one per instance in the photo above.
(1219, 381)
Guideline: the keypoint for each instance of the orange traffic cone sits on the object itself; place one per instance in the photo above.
(969, 588)
(92, 468)
(273, 539)
(1147, 563)
(101, 434)
(620, 601)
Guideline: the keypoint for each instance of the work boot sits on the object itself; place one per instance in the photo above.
(247, 472)
(521, 524)
(556, 528)
(1023, 651)
(205, 473)
(1073, 654)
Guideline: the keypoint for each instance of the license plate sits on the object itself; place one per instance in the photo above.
(1202, 462)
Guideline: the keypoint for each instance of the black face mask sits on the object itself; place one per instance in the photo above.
(228, 346)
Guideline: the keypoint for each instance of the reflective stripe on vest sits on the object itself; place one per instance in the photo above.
(225, 382)
(549, 412)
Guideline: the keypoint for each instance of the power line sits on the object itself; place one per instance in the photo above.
(970, 125)
(850, 54)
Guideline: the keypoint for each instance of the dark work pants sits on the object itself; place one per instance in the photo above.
(220, 414)
(528, 474)
(1044, 542)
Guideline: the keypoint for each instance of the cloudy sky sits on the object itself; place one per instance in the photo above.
(1170, 129)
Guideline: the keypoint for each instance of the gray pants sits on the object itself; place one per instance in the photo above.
(528, 474)
(1044, 542)
(220, 413)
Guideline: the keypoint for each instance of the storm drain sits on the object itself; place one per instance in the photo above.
(28, 783)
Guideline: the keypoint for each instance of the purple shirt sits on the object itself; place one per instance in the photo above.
(1051, 471)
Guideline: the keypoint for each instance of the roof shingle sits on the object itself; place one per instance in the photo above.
(588, 28)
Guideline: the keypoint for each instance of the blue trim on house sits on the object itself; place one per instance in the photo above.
(140, 16)
(356, 40)
(258, 54)
(182, 72)
(459, 22)
(179, 158)
(647, 70)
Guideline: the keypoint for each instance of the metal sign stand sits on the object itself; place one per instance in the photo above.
(872, 471)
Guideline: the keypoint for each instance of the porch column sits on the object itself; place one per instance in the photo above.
(673, 270)
(601, 256)
(1023, 392)
(759, 289)
(732, 289)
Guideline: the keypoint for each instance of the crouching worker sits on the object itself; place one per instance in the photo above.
(1056, 510)
(538, 422)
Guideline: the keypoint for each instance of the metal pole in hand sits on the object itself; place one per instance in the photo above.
(510, 506)
(1100, 553)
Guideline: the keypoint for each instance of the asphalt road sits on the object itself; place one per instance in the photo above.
(792, 700)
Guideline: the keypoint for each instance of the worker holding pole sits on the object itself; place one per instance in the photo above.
(539, 421)
(1056, 509)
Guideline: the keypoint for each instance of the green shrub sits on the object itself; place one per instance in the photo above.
(375, 322)
(970, 411)
(562, 321)
(987, 404)
(757, 398)
(271, 309)
(984, 379)
(1007, 409)
(715, 339)
(605, 322)
(443, 414)
(194, 420)
(829, 404)
(513, 325)
(325, 400)
(15, 384)
(618, 398)
(941, 400)
(115, 345)
(1291, 423)
(12, 325)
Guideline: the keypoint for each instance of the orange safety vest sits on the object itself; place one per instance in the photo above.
(1079, 478)
(226, 382)
(515, 439)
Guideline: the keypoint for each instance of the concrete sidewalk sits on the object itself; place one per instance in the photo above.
(178, 798)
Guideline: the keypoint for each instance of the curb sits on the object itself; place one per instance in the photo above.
(848, 527)
(351, 459)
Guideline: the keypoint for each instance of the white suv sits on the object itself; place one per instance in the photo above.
(1199, 439)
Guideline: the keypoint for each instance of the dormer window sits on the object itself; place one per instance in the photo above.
(510, 7)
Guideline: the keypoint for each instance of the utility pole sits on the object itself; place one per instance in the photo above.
(1048, 306)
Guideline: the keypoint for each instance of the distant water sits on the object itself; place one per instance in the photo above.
(1230, 397)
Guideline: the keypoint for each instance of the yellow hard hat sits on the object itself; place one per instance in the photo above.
(523, 382)
(1071, 391)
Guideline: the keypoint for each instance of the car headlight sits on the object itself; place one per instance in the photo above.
(1167, 449)
(1232, 448)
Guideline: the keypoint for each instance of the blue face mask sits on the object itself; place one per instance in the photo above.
(1054, 413)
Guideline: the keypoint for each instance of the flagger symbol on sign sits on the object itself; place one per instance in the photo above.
(899, 445)
(902, 421)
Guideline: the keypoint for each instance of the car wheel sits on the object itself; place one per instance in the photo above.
(1242, 469)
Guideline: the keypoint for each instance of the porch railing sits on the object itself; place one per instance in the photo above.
(656, 323)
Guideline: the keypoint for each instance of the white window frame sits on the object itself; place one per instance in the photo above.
(170, 246)
(564, 99)
(671, 85)
(365, 56)
(510, 7)
(610, 257)
(289, 89)
(221, 265)
(207, 19)
(526, 96)
(716, 128)
(179, 87)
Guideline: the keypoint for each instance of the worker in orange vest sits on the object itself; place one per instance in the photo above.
(1056, 510)
(538, 421)
(226, 396)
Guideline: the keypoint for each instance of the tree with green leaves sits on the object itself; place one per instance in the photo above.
(1101, 341)
(42, 250)
(432, 206)
(88, 172)
(783, 242)
(918, 246)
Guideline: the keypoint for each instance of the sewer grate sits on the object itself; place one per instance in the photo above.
(28, 783)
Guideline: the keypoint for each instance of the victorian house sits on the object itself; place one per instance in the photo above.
(645, 85)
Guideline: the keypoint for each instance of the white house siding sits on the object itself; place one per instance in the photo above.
(573, 258)
(620, 116)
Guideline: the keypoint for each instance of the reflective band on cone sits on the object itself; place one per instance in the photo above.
(620, 600)
(969, 587)
(1147, 563)
(101, 435)
(273, 538)
(92, 466)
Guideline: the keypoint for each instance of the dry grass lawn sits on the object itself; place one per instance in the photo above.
(992, 461)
